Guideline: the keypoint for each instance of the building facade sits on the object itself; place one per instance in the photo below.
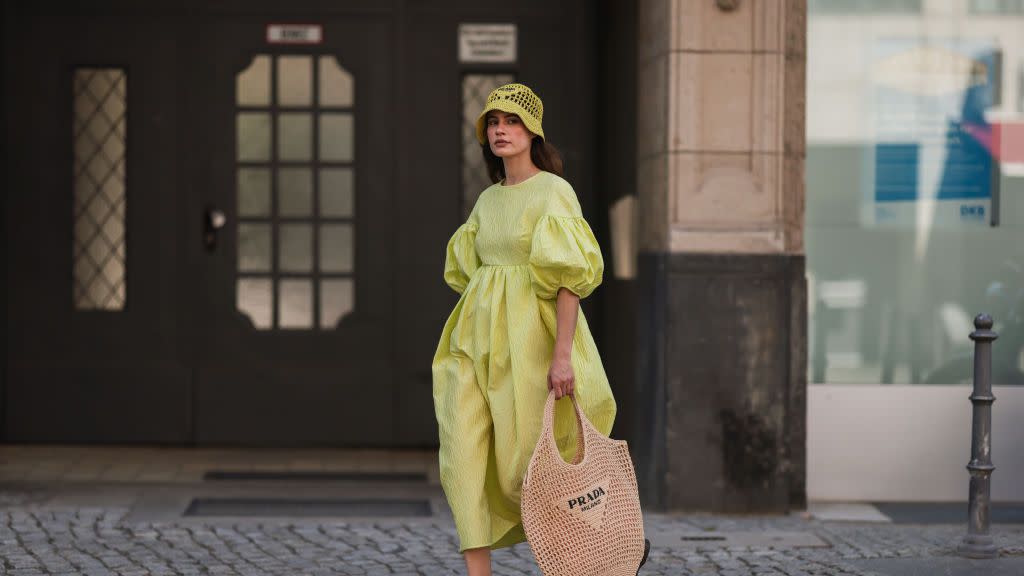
(226, 225)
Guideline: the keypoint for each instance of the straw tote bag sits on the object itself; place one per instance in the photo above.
(583, 518)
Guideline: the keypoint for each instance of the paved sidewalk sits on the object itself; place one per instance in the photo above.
(103, 511)
(97, 530)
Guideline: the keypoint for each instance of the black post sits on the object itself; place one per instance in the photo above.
(978, 542)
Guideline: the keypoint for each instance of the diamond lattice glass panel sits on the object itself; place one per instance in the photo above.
(99, 103)
(253, 192)
(336, 86)
(336, 186)
(296, 254)
(254, 299)
(295, 136)
(296, 303)
(336, 248)
(295, 189)
(254, 136)
(295, 80)
(475, 88)
(336, 138)
(252, 85)
(254, 247)
(337, 298)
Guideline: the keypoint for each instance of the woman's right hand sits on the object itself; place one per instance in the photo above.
(560, 376)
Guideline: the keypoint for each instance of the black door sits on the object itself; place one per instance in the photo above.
(92, 194)
(293, 228)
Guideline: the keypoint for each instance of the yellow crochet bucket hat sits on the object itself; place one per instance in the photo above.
(513, 99)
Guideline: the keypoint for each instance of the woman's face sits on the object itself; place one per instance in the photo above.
(507, 134)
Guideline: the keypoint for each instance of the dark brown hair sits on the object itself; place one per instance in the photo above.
(545, 156)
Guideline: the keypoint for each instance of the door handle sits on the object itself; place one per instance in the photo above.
(213, 220)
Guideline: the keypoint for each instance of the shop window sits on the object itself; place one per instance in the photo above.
(914, 223)
(863, 6)
(996, 7)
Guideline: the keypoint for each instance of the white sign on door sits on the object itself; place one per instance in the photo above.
(295, 33)
(487, 43)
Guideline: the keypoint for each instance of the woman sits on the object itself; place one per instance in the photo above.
(521, 262)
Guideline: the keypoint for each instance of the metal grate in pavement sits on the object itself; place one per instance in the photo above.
(762, 539)
(298, 507)
(313, 476)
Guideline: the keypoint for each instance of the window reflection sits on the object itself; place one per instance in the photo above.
(914, 224)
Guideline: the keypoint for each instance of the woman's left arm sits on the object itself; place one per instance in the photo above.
(560, 376)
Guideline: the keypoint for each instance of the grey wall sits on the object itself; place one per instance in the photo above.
(721, 399)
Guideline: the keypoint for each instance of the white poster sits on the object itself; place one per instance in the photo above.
(492, 43)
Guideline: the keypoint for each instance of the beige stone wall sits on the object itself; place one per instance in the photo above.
(720, 125)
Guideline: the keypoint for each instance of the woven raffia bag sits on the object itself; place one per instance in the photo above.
(582, 518)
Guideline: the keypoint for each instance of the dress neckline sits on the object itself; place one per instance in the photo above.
(503, 185)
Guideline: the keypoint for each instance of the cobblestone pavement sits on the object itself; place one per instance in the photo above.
(39, 536)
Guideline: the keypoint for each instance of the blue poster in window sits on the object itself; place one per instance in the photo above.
(932, 161)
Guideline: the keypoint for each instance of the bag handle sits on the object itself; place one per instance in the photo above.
(547, 446)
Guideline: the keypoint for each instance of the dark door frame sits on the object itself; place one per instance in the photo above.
(314, 387)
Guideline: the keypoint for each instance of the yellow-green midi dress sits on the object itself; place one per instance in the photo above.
(520, 244)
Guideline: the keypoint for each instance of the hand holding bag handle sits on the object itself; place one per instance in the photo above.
(547, 430)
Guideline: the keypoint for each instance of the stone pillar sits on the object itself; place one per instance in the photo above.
(721, 347)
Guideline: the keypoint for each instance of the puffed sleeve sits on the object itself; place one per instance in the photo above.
(461, 259)
(564, 252)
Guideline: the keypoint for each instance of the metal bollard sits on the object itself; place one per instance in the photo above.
(978, 542)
